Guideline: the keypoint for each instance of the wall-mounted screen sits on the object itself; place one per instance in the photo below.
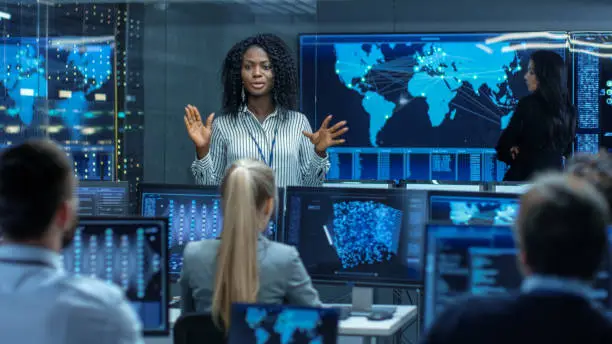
(420, 106)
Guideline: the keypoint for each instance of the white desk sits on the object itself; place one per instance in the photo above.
(360, 326)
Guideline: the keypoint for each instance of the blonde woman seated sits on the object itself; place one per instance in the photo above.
(244, 266)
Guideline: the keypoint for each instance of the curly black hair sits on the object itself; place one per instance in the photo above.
(284, 92)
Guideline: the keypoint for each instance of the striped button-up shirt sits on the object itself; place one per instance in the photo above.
(237, 137)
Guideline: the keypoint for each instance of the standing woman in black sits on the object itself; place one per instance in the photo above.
(541, 131)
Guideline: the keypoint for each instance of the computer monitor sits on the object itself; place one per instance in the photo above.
(481, 260)
(472, 208)
(511, 188)
(423, 105)
(103, 198)
(365, 237)
(442, 185)
(130, 252)
(271, 324)
(194, 213)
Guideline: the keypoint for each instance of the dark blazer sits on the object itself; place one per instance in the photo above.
(529, 130)
(282, 276)
(535, 318)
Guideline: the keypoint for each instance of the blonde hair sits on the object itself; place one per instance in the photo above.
(245, 190)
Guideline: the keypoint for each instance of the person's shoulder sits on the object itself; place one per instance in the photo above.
(281, 254)
(92, 294)
(533, 99)
(294, 115)
(474, 309)
(196, 248)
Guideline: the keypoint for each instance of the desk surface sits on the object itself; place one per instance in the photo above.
(360, 326)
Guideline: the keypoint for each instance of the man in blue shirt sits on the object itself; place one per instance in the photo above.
(39, 302)
(561, 236)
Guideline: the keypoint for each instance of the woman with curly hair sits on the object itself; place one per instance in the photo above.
(260, 120)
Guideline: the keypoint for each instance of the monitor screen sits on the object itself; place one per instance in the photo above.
(103, 198)
(420, 106)
(472, 208)
(481, 260)
(441, 185)
(193, 212)
(363, 236)
(131, 253)
(511, 188)
(62, 88)
(275, 324)
(592, 89)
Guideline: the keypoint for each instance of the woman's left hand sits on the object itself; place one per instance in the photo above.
(327, 137)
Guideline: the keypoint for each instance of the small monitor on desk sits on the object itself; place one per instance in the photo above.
(467, 208)
(194, 213)
(103, 198)
(132, 253)
(482, 260)
(364, 237)
(253, 323)
(441, 185)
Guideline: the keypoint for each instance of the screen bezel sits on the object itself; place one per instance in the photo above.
(165, 302)
(334, 280)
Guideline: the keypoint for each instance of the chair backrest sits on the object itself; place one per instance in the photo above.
(197, 328)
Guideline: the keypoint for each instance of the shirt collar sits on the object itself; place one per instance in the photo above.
(29, 252)
(245, 110)
(559, 284)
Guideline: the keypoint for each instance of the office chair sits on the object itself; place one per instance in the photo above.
(197, 328)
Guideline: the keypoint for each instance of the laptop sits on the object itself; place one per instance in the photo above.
(272, 324)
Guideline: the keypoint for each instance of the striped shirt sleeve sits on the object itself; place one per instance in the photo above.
(210, 169)
(312, 167)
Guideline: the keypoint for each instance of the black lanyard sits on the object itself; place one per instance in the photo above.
(32, 262)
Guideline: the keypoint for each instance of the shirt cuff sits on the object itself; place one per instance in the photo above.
(203, 163)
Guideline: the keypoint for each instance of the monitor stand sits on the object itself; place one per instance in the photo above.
(363, 303)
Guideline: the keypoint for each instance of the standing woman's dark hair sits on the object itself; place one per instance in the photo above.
(284, 89)
(551, 74)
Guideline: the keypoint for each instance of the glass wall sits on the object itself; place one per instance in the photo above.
(426, 88)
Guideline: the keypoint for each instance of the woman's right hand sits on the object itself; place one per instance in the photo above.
(199, 132)
(514, 151)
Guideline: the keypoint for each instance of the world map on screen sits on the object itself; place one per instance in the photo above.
(439, 73)
(55, 81)
(455, 91)
(288, 326)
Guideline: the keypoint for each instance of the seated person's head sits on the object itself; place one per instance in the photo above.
(561, 228)
(248, 194)
(37, 202)
(596, 169)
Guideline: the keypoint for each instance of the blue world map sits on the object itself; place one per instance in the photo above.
(438, 73)
(34, 73)
(287, 326)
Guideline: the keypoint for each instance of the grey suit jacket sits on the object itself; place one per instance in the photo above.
(282, 276)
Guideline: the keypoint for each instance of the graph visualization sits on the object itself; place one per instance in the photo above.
(420, 106)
